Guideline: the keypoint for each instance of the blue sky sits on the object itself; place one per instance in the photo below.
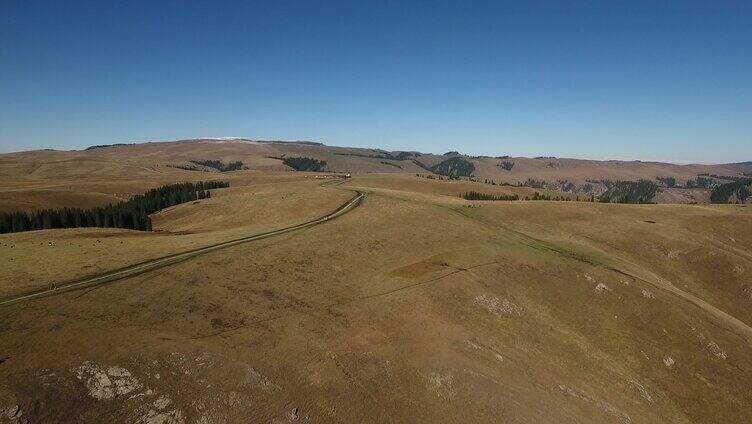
(603, 79)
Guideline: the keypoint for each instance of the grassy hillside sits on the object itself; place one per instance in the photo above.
(156, 161)
(418, 306)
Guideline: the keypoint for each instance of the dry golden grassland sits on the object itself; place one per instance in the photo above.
(417, 306)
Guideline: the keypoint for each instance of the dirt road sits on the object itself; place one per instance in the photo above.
(164, 261)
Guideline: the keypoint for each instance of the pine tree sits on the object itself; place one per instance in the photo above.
(132, 214)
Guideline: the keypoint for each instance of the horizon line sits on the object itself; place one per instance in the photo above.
(272, 139)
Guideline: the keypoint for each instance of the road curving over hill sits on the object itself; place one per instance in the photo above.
(164, 261)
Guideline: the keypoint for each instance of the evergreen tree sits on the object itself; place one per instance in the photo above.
(133, 214)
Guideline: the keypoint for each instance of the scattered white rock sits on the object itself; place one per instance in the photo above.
(641, 389)
(118, 372)
(159, 413)
(646, 294)
(716, 350)
(106, 382)
(476, 346)
(589, 278)
(499, 307)
(668, 361)
(673, 254)
(170, 417)
(99, 385)
(748, 292)
(442, 384)
(14, 412)
(473, 345)
(601, 288)
(162, 402)
(256, 380)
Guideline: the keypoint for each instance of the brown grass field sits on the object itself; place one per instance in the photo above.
(416, 306)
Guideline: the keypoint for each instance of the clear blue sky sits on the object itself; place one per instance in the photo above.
(601, 79)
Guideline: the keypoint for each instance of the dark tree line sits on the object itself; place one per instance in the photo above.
(219, 165)
(383, 155)
(740, 189)
(132, 214)
(454, 167)
(724, 177)
(700, 182)
(538, 196)
(104, 146)
(474, 195)
(305, 164)
(669, 182)
(506, 165)
(535, 183)
(641, 191)
(404, 155)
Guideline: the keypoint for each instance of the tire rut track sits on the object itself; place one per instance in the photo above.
(733, 323)
(165, 261)
(313, 310)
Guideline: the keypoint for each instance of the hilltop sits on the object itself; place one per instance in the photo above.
(169, 160)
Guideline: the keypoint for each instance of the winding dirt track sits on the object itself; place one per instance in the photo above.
(164, 261)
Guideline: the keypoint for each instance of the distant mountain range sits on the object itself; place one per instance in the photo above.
(674, 183)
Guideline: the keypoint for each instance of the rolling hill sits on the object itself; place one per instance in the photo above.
(39, 178)
(416, 306)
